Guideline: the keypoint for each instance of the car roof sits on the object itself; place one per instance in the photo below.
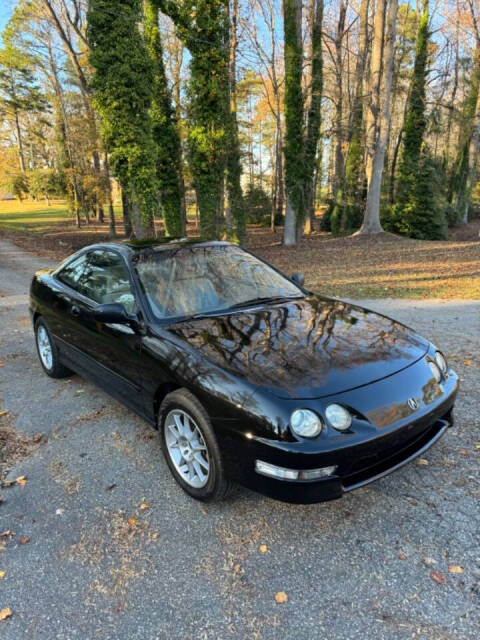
(136, 247)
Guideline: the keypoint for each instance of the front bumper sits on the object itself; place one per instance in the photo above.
(357, 465)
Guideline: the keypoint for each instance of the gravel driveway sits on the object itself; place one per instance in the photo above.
(97, 565)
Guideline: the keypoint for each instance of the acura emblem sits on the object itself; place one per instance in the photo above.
(413, 404)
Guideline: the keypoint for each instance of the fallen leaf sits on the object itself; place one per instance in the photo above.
(116, 436)
(263, 548)
(110, 487)
(429, 561)
(467, 363)
(24, 540)
(455, 568)
(402, 556)
(37, 437)
(59, 512)
(155, 536)
(464, 452)
(7, 535)
(5, 613)
(236, 568)
(3, 413)
(477, 446)
(21, 480)
(144, 506)
(438, 576)
(2, 574)
(204, 511)
(80, 390)
(422, 462)
(281, 597)
(132, 521)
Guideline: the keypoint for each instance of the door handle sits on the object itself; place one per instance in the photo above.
(75, 311)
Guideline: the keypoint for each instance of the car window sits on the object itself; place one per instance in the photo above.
(106, 280)
(207, 279)
(72, 273)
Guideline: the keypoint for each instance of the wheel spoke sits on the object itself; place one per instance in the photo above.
(179, 424)
(199, 458)
(198, 470)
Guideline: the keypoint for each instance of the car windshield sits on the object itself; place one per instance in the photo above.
(205, 280)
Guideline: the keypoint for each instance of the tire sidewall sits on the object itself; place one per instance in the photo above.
(189, 404)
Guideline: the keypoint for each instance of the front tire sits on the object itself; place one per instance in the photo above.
(48, 352)
(191, 448)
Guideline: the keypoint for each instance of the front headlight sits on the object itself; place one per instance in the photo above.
(338, 417)
(441, 362)
(305, 423)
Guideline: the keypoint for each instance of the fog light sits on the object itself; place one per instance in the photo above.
(273, 471)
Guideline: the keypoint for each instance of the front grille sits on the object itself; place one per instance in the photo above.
(370, 468)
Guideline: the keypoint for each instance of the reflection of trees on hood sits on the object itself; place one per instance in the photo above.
(284, 344)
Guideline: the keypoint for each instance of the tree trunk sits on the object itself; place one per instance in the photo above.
(289, 229)
(372, 114)
(339, 128)
(127, 214)
(371, 223)
(473, 155)
(111, 213)
(21, 155)
(293, 107)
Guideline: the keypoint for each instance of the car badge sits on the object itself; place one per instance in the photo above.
(413, 404)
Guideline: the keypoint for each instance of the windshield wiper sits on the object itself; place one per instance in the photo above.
(237, 305)
(254, 301)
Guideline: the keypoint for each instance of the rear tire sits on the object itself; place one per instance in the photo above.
(190, 447)
(48, 352)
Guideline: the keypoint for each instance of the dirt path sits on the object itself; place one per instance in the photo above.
(356, 568)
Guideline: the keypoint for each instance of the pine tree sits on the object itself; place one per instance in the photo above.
(123, 83)
(165, 132)
(416, 212)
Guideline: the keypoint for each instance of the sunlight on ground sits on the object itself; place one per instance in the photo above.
(353, 267)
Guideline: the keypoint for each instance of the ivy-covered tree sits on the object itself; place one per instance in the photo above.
(459, 192)
(301, 140)
(165, 132)
(416, 212)
(123, 83)
(203, 26)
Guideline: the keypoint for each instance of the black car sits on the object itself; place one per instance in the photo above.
(247, 375)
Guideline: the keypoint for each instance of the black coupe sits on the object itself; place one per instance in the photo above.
(247, 375)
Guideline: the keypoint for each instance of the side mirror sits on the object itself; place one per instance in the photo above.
(298, 278)
(114, 313)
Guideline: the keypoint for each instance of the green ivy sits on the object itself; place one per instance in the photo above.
(123, 85)
(165, 132)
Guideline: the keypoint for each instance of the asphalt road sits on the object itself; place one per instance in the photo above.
(359, 568)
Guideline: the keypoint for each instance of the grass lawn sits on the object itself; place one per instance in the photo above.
(33, 216)
(355, 267)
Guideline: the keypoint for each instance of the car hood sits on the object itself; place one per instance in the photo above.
(306, 348)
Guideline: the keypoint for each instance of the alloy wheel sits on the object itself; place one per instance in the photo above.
(186, 448)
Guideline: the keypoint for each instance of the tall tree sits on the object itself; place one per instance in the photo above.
(19, 92)
(165, 132)
(417, 211)
(123, 83)
(301, 138)
(204, 28)
(371, 222)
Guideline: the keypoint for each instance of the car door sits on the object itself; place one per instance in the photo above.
(112, 351)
